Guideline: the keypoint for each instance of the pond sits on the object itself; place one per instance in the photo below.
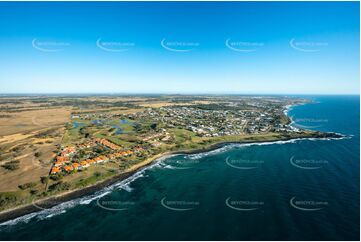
(77, 124)
(124, 121)
(118, 129)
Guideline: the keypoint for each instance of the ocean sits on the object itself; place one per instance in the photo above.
(295, 190)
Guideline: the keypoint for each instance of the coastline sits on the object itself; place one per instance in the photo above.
(47, 203)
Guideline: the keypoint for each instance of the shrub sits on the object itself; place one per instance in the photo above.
(34, 192)
(27, 185)
(7, 199)
(56, 177)
(59, 186)
(44, 179)
(12, 165)
(37, 154)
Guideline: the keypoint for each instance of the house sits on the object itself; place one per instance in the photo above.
(124, 153)
(76, 166)
(62, 159)
(55, 170)
(59, 163)
(107, 143)
(104, 158)
(138, 149)
(68, 151)
(68, 168)
(98, 160)
(84, 164)
(86, 144)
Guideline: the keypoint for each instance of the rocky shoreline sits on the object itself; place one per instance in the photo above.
(50, 202)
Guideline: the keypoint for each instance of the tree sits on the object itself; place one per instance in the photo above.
(153, 126)
(37, 154)
(44, 179)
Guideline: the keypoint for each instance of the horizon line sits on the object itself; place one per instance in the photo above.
(170, 93)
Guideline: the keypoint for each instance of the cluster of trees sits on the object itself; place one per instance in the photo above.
(8, 199)
(27, 185)
(84, 131)
(59, 186)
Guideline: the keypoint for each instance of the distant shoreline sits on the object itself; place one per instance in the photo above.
(55, 200)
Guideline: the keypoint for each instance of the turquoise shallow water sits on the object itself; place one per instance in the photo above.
(300, 190)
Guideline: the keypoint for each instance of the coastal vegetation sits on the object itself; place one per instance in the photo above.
(11, 165)
(68, 143)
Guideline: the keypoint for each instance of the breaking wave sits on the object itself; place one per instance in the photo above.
(235, 145)
(63, 207)
(124, 184)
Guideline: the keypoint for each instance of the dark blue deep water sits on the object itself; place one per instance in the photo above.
(301, 190)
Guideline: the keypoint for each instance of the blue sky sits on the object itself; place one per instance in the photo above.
(180, 47)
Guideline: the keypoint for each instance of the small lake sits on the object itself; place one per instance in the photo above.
(124, 121)
(78, 124)
(119, 130)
